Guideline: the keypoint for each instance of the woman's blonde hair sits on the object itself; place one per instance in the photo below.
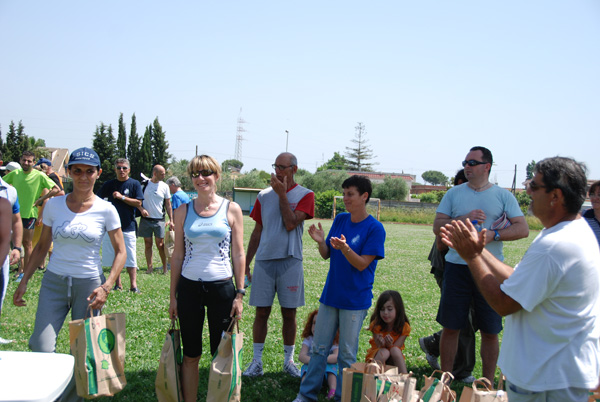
(204, 162)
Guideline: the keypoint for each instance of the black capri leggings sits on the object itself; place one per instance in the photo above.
(192, 298)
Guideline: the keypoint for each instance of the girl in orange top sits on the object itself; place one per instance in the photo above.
(390, 327)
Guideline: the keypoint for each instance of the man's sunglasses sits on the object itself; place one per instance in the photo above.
(203, 173)
(122, 168)
(473, 162)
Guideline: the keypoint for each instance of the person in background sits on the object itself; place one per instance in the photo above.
(550, 345)
(74, 280)
(126, 195)
(390, 328)
(209, 238)
(29, 183)
(480, 200)
(464, 362)
(178, 196)
(592, 214)
(279, 214)
(9, 193)
(354, 245)
(157, 199)
(304, 356)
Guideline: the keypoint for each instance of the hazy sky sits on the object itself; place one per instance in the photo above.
(429, 79)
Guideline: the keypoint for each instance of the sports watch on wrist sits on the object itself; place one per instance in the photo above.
(241, 291)
(18, 248)
(496, 236)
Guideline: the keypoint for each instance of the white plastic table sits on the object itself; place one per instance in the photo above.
(34, 377)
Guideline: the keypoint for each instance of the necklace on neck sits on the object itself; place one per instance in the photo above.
(207, 207)
(478, 188)
(83, 201)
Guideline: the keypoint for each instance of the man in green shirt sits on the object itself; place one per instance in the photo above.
(29, 184)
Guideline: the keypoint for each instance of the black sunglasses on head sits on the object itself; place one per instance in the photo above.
(473, 162)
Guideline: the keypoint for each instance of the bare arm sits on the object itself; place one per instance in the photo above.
(360, 262)
(5, 228)
(17, 237)
(443, 219)
(518, 229)
(291, 219)
(333, 356)
(252, 248)
(488, 272)
(176, 261)
(53, 191)
(169, 213)
(99, 295)
(318, 235)
(304, 356)
(132, 202)
(238, 257)
(37, 257)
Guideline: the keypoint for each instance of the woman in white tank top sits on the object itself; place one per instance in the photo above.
(209, 235)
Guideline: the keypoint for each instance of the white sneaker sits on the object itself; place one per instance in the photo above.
(5, 341)
(255, 369)
(291, 368)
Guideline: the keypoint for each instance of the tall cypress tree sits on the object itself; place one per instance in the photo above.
(160, 155)
(16, 142)
(145, 156)
(105, 146)
(2, 145)
(133, 150)
(122, 139)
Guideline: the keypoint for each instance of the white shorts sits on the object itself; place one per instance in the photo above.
(108, 253)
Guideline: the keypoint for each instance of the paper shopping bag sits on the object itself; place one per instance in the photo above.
(436, 390)
(397, 388)
(98, 345)
(168, 376)
(482, 391)
(169, 244)
(225, 376)
(358, 381)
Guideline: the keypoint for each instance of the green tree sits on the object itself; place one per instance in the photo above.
(524, 200)
(104, 144)
(324, 204)
(358, 156)
(434, 177)
(530, 170)
(337, 162)
(37, 146)
(16, 142)
(432, 197)
(325, 180)
(145, 155)
(392, 188)
(121, 139)
(253, 179)
(2, 145)
(160, 156)
(134, 150)
(178, 168)
(230, 165)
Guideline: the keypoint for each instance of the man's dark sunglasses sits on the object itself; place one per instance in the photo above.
(473, 162)
(122, 168)
(203, 173)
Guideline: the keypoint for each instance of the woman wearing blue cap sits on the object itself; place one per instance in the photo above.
(74, 280)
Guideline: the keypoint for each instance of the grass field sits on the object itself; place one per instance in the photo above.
(405, 269)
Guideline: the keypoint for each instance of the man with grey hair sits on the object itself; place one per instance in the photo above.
(126, 195)
(550, 299)
(178, 196)
(276, 241)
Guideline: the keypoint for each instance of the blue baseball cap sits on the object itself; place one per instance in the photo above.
(43, 160)
(84, 156)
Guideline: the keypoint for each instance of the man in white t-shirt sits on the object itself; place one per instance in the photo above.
(550, 346)
(152, 222)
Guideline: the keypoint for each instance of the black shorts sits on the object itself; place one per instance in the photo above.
(192, 298)
(28, 223)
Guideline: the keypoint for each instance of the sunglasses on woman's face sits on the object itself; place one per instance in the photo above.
(203, 173)
(472, 162)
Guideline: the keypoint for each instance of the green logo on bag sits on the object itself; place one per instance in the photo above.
(106, 341)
